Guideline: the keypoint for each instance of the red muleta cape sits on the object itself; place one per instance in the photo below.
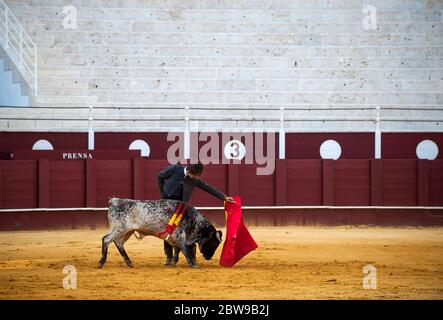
(239, 241)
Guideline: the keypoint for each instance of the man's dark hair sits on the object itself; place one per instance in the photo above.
(195, 168)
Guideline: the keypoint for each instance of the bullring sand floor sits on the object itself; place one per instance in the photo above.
(290, 263)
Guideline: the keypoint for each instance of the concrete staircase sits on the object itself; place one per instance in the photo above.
(235, 64)
(14, 90)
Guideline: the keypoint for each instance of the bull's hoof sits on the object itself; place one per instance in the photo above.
(195, 266)
(129, 264)
(168, 263)
(100, 264)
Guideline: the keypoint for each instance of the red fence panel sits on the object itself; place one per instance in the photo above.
(157, 141)
(306, 145)
(255, 189)
(62, 184)
(114, 179)
(399, 182)
(304, 182)
(403, 145)
(19, 184)
(215, 175)
(436, 183)
(151, 169)
(352, 183)
(25, 140)
(67, 184)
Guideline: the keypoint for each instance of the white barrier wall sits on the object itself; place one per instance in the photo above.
(235, 63)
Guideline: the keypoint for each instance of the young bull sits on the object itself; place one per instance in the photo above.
(150, 218)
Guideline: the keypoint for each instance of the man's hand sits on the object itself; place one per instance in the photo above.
(229, 199)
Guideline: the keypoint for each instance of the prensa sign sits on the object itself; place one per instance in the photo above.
(77, 155)
(65, 154)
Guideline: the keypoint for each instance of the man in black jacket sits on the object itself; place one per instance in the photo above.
(177, 182)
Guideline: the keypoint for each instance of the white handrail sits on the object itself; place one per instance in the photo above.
(17, 43)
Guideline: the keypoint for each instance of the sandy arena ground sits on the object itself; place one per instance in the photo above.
(290, 263)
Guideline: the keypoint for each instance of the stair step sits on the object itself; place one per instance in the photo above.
(63, 99)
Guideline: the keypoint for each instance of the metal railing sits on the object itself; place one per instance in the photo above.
(183, 114)
(19, 46)
(278, 116)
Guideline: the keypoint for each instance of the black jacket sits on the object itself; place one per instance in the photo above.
(173, 184)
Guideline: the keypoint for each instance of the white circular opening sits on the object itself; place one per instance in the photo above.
(141, 145)
(427, 149)
(330, 149)
(235, 149)
(42, 144)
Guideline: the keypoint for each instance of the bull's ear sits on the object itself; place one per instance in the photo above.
(219, 234)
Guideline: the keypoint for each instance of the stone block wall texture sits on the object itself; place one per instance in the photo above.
(235, 63)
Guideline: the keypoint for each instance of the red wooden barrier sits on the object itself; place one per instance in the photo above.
(121, 140)
(313, 216)
(75, 154)
(234, 180)
(19, 184)
(399, 182)
(299, 145)
(352, 183)
(281, 186)
(422, 182)
(435, 192)
(67, 184)
(376, 182)
(328, 182)
(114, 179)
(304, 182)
(43, 183)
(151, 169)
(25, 140)
(403, 145)
(138, 179)
(1, 188)
(254, 189)
(306, 145)
(89, 183)
(215, 175)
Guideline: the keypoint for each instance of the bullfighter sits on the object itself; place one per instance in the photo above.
(177, 182)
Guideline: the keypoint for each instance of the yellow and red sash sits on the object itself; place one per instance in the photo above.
(174, 221)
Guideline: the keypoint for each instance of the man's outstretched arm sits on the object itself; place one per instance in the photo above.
(212, 190)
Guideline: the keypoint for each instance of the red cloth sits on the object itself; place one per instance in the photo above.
(239, 241)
